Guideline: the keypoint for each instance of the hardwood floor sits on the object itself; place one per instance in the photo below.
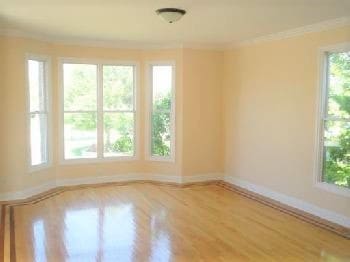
(148, 222)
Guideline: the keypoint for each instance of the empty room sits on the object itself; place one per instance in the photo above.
(174, 130)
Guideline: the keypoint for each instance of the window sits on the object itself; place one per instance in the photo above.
(335, 124)
(38, 111)
(162, 113)
(98, 111)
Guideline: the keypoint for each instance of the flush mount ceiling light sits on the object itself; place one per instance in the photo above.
(171, 15)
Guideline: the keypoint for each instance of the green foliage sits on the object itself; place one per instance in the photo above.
(161, 127)
(81, 121)
(80, 94)
(123, 124)
(123, 144)
(118, 87)
(337, 153)
(80, 87)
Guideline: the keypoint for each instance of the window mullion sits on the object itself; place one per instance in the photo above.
(100, 144)
(336, 119)
(118, 111)
(326, 89)
(80, 111)
(167, 111)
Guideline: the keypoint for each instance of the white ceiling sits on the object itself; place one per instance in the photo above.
(126, 21)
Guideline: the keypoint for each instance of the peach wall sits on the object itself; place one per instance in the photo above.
(270, 96)
(249, 112)
(2, 108)
(202, 121)
(13, 123)
(14, 173)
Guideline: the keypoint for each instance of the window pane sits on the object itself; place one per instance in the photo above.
(118, 87)
(38, 138)
(80, 135)
(118, 134)
(339, 85)
(161, 135)
(36, 79)
(162, 84)
(80, 87)
(336, 160)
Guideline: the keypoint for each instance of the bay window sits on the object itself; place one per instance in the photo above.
(99, 110)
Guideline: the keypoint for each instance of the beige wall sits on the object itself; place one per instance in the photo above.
(249, 112)
(2, 108)
(270, 93)
(14, 174)
(202, 119)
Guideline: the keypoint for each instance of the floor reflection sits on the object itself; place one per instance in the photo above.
(152, 224)
(161, 248)
(105, 234)
(118, 233)
(39, 241)
(81, 234)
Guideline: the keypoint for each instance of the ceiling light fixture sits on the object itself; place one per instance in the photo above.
(171, 15)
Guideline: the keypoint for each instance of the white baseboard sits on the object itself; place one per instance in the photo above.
(119, 178)
(291, 201)
(202, 177)
(16, 195)
(282, 198)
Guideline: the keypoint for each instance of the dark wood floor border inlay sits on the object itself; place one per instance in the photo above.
(307, 217)
(12, 235)
(335, 228)
(2, 232)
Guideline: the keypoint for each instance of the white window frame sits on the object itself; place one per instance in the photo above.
(99, 111)
(321, 117)
(149, 111)
(47, 89)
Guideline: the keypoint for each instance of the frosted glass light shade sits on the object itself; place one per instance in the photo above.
(170, 15)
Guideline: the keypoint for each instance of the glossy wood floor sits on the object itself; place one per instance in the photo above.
(147, 222)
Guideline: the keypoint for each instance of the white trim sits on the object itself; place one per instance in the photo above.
(333, 188)
(26, 193)
(313, 28)
(202, 177)
(88, 42)
(117, 44)
(136, 110)
(337, 48)
(169, 178)
(48, 93)
(149, 110)
(282, 198)
(119, 178)
(322, 93)
(291, 201)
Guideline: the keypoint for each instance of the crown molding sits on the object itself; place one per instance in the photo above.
(313, 28)
(108, 44)
(205, 46)
(88, 42)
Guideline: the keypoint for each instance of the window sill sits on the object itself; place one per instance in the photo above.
(97, 160)
(333, 188)
(38, 168)
(161, 159)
